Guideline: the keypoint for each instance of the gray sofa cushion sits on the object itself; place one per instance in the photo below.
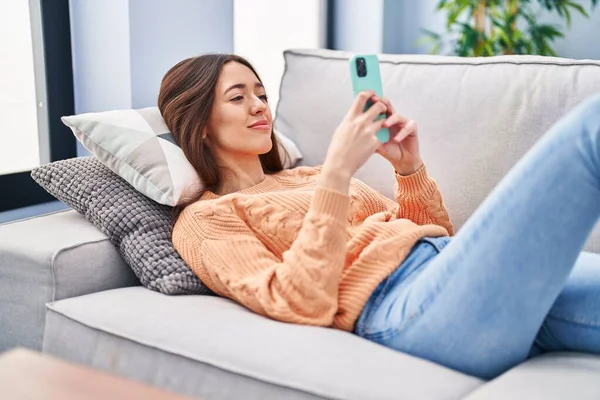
(139, 227)
(49, 258)
(225, 340)
(555, 376)
(477, 116)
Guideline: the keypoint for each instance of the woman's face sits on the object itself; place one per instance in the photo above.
(240, 121)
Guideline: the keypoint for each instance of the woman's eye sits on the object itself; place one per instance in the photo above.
(262, 97)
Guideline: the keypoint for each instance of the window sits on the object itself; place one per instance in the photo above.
(36, 89)
(20, 128)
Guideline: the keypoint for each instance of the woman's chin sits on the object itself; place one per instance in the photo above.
(260, 142)
(266, 149)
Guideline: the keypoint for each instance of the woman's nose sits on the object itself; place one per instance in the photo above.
(258, 105)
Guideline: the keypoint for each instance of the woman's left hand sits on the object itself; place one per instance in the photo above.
(402, 150)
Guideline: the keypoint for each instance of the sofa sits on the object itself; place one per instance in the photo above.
(66, 291)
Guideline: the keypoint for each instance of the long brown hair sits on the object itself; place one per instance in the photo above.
(186, 97)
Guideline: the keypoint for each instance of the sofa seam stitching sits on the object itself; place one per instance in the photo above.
(591, 63)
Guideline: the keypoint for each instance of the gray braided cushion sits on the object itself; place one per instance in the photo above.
(137, 226)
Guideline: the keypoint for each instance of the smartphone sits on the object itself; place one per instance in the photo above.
(365, 75)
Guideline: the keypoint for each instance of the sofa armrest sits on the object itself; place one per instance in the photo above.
(48, 258)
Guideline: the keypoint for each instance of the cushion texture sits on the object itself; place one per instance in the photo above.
(137, 226)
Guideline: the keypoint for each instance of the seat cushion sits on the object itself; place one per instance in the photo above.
(132, 331)
(554, 376)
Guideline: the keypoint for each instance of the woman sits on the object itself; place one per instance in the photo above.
(315, 246)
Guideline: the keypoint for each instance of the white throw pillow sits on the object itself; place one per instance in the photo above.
(137, 146)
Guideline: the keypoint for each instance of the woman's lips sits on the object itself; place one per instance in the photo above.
(262, 125)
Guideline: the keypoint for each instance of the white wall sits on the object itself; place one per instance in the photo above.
(122, 48)
(359, 25)
(404, 21)
(263, 29)
(581, 41)
(101, 56)
(163, 33)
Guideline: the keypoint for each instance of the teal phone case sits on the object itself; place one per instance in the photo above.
(371, 81)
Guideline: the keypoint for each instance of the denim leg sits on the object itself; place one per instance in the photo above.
(478, 305)
(573, 322)
(392, 290)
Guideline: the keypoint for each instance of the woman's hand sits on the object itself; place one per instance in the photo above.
(402, 150)
(354, 140)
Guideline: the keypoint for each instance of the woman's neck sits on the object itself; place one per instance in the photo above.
(240, 173)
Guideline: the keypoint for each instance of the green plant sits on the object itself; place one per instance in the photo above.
(493, 27)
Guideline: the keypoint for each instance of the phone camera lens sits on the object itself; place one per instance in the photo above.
(361, 67)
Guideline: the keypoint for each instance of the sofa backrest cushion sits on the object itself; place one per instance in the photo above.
(476, 116)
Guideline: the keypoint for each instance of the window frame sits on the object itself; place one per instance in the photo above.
(19, 189)
(330, 25)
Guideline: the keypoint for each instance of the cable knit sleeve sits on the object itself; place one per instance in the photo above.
(420, 200)
(417, 199)
(299, 287)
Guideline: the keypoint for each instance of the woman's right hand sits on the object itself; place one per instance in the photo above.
(354, 140)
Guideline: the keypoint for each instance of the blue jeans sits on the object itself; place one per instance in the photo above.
(513, 282)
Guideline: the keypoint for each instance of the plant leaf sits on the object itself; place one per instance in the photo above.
(432, 34)
(548, 4)
(550, 31)
(430, 38)
(504, 37)
(568, 17)
(441, 4)
(456, 12)
(578, 7)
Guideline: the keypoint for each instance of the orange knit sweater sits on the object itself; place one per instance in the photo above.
(296, 253)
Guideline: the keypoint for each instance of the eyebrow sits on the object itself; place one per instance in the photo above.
(243, 86)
